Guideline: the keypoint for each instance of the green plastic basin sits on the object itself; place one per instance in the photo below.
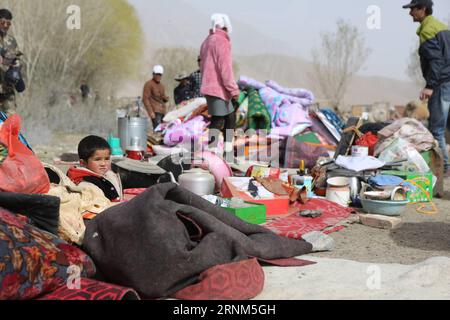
(386, 208)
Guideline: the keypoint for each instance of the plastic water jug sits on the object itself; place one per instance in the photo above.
(114, 143)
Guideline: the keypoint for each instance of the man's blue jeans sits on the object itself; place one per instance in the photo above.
(439, 106)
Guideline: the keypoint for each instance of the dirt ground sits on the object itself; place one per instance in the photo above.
(419, 238)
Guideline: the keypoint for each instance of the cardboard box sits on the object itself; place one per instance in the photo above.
(275, 205)
(423, 180)
(256, 214)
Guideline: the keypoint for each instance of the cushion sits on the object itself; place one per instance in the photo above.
(34, 262)
(90, 289)
(241, 280)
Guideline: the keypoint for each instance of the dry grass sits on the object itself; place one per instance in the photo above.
(42, 121)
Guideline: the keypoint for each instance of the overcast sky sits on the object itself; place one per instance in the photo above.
(301, 21)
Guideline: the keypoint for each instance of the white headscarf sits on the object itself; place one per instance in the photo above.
(220, 20)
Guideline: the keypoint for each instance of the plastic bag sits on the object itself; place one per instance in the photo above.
(368, 140)
(3, 118)
(401, 150)
(22, 171)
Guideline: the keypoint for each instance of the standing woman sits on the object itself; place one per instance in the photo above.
(218, 83)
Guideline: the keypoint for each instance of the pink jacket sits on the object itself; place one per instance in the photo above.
(217, 67)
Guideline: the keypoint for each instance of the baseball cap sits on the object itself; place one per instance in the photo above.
(158, 69)
(419, 3)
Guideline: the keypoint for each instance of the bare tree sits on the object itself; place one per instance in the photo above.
(106, 51)
(57, 57)
(340, 56)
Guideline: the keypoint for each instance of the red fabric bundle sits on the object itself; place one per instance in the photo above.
(22, 171)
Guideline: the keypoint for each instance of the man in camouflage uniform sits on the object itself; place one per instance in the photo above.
(9, 56)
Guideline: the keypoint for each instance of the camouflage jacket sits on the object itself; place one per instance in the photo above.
(9, 50)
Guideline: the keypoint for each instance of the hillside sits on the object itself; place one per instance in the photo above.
(179, 29)
(254, 52)
(294, 72)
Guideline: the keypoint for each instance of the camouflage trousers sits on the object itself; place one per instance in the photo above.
(8, 106)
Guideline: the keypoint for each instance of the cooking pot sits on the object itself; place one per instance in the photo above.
(132, 128)
(135, 150)
(338, 191)
(198, 181)
(138, 155)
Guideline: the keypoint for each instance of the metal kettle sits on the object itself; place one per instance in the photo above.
(198, 181)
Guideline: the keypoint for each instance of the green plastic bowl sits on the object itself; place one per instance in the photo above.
(386, 208)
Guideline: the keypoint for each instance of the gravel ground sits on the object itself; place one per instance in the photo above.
(419, 238)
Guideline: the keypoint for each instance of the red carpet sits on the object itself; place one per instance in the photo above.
(295, 226)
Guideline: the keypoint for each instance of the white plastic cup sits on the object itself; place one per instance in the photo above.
(360, 151)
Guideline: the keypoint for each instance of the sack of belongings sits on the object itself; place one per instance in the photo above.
(21, 171)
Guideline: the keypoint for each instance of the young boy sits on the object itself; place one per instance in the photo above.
(95, 161)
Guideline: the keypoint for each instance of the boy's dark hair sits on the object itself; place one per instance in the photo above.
(89, 145)
(5, 14)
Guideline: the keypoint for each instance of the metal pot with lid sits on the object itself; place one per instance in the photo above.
(135, 150)
(198, 181)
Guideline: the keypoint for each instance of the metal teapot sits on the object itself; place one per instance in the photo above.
(198, 181)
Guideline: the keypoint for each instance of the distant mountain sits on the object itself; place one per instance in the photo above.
(287, 70)
(253, 52)
(181, 30)
(294, 72)
(367, 90)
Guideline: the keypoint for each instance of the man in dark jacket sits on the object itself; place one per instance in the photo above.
(183, 92)
(434, 54)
